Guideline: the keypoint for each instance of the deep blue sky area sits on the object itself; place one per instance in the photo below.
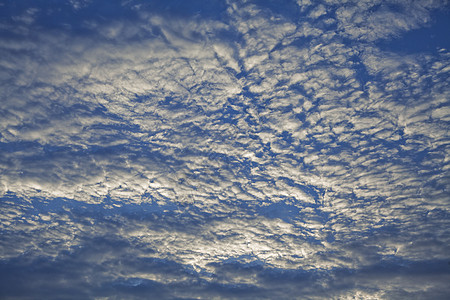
(287, 149)
(434, 35)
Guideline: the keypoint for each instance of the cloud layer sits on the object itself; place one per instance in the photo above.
(229, 150)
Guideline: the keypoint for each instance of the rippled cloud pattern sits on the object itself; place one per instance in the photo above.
(289, 149)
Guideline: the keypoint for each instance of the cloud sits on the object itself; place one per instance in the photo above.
(247, 150)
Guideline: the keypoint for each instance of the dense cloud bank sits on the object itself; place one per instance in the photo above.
(240, 149)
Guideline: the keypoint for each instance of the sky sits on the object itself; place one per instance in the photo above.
(240, 149)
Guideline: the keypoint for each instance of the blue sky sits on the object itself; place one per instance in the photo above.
(224, 149)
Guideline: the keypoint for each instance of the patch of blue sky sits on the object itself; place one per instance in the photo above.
(428, 39)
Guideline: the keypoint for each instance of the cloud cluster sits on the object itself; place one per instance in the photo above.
(228, 146)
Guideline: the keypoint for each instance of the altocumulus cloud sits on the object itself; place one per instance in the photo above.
(223, 149)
